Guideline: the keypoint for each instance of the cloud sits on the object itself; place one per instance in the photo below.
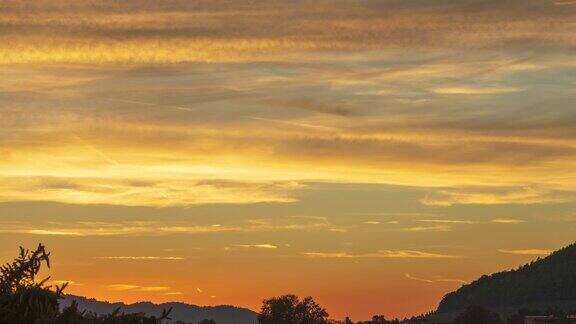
(154, 289)
(157, 228)
(386, 254)
(142, 258)
(128, 287)
(62, 282)
(335, 255)
(433, 228)
(302, 119)
(216, 228)
(257, 246)
(409, 254)
(565, 3)
(445, 146)
(462, 90)
(452, 280)
(140, 192)
(53, 232)
(207, 31)
(508, 221)
(114, 229)
(407, 275)
(392, 151)
(492, 196)
(527, 251)
(122, 287)
(315, 106)
(446, 221)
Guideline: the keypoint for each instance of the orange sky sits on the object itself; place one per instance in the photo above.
(373, 154)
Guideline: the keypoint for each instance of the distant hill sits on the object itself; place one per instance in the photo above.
(544, 282)
(180, 312)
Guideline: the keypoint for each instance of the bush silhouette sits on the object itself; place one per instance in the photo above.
(24, 300)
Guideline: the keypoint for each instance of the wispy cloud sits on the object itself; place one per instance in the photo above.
(130, 287)
(527, 251)
(198, 229)
(508, 221)
(452, 280)
(565, 3)
(143, 258)
(64, 232)
(132, 191)
(409, 276)
(154, 289)
(446, 221)
(463, 90)
(336, 255)
(409, 254)
(368, 26)
(153, 228)
(122, 287)
(257, 246)
(432, 228)
(109, 228)
(495, 195)
(387, 254)
(61, 282)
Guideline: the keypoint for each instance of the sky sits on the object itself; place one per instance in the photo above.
(375, 154)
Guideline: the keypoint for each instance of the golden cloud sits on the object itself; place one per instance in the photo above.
(257, 246)
(129, 287)
(142, 258)
(483, 196)
(508, 221)
(527, 251)
(386, 254)
(208, 32)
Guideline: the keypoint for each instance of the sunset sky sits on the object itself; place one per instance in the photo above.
(375, 154)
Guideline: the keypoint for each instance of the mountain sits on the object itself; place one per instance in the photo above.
(541, 283)
(180, 312)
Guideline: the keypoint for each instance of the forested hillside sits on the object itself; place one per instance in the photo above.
(545, 280)
(180, 311)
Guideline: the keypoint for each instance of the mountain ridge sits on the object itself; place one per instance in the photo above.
(183, 312)
(544, 280)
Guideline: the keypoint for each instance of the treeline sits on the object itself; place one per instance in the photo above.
(481, 315)
(550, 279)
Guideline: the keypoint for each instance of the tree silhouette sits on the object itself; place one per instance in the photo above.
(24, 300)
(288, 309)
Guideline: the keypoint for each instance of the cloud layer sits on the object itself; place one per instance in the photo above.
(67, 31)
